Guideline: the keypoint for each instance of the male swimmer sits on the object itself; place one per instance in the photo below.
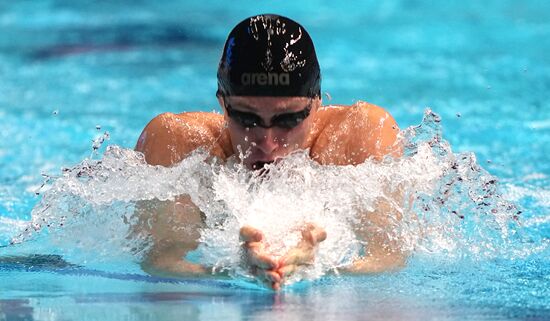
(269, 88)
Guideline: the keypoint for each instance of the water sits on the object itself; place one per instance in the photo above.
(74, 74)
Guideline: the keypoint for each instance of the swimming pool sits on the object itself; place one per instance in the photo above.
(72, 71)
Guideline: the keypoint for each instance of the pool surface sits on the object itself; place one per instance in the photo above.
(79, 76)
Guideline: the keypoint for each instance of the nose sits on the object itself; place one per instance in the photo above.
(266, 140)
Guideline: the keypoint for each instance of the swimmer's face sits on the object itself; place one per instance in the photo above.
(268, 128)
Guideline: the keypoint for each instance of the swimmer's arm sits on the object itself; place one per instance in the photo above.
(380, 132)
(384, 247)
(172, 226)
(171, 265)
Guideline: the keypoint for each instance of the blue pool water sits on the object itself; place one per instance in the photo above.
(70, 71)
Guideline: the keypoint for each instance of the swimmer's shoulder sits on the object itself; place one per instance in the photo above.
(359, 131)
(360, 111)
(169, 137)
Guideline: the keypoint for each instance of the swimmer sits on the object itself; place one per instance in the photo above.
(269, 88)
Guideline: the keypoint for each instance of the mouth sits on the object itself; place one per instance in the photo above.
(260, 164)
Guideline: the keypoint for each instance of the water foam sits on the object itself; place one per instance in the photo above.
(450, 206)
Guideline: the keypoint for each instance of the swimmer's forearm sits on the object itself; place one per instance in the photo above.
(177, 268)
(169, 267)
(385, 252)
(376, 264)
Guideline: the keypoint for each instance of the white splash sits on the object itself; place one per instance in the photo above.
(449, 205)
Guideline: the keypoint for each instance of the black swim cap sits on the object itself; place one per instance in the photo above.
(269, 55)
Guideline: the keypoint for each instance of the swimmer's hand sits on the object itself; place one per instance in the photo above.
(274, 272)
(261, 264)
(301, 255)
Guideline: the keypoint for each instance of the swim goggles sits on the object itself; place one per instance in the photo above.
(250, 120)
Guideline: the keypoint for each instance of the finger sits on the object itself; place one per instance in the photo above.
(256, 246)
(313, 234)
(307, 236)
(319, 235)
(299, 256)
(265, 275)
(272, 276)
(260, 259)
(286, 270)
(248, 233)
(266, 280)
(261, 277)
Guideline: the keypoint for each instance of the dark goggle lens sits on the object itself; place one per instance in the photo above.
(244, 119)
(286, 121)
